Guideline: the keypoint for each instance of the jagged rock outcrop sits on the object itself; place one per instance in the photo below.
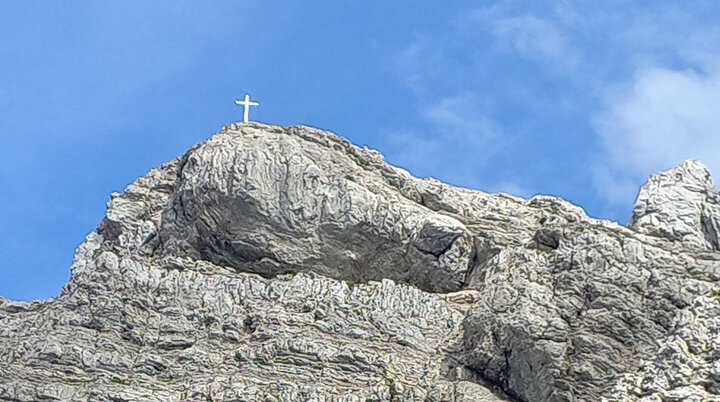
(282, 264)
(282, 203)
(681, 204)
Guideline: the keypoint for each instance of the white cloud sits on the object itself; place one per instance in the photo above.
(534, 38)
(469, 47)
(660, 119)
(641, 96)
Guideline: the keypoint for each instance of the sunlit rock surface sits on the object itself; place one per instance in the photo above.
(681, 204)
(285, 264)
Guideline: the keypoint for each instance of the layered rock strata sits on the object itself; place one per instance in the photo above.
(285, 264)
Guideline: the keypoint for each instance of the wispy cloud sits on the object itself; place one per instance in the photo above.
(422, 62)
(658, 120)
(457, 126)
(462, 115)
(457, 144)
(533, 38)
(608, 85)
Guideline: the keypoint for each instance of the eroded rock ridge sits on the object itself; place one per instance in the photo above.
(286, 264)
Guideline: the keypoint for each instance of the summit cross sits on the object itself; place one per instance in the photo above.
(246, 103)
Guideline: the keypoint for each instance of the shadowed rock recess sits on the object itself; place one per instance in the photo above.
(285, 264)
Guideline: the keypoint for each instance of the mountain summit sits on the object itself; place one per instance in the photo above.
(286, 264)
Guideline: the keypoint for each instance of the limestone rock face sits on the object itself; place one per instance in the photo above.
(687, 364)
(282, 203)
(681, 204)
(285, 264)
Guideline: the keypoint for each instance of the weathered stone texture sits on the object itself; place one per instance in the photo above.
(681, 204)
(285, 264)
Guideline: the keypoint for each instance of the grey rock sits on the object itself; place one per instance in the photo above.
(276, 203)
(687, 364)
(285, 264)
(681, 204)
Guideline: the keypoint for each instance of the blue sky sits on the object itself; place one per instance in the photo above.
(582, 100)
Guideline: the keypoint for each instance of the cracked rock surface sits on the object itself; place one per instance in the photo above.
(681, 204)
(286, 264)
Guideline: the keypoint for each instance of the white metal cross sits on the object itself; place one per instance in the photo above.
(246, 103)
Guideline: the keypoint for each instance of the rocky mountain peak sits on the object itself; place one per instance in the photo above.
(286, 264)
(681, 204)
